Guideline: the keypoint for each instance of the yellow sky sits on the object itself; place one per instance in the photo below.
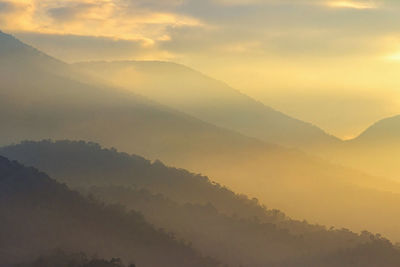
(333, 63)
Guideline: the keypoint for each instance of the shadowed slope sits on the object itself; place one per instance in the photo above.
(40, 215)
(85, 164)
(253, 241)
(62, 259)
(233, 229)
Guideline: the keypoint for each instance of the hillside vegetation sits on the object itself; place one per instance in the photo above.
(219, 223)
(40, 215)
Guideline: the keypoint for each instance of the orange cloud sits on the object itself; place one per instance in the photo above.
(107, 18)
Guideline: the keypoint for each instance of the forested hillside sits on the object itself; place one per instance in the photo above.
(60, 258)
(217, 222)
(251, 241)
(40, 215)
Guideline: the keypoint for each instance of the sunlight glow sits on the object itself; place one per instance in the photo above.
(393, 57)
(352, 4)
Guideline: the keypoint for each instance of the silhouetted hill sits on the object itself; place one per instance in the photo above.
(14, 52)
(23, 62)
(376, 150)
(250, 241)
(82, 164)
(60, 218)
(87, 164)
(383, 131)
(210, 100)
(40, 215)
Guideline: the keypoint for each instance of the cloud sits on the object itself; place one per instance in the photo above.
(295, 28)
(76, 11)
(262, 27)
(15, 15)
(7, 7)
(119, 19)
(352, 4)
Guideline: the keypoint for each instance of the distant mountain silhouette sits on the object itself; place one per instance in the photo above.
(40, 215)
(210, 100)
(44, 98)
(14, 52)
(385, 130)
(376, 150)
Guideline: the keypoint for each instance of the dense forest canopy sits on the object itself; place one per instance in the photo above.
(60, 258)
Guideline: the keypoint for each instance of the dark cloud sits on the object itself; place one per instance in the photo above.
(154, 5)
(6, 7)
(10, 7)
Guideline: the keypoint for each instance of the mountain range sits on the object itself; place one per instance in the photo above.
(81, 203)
(42, 98)
(375, 151)
(82, 165)
(209, 100)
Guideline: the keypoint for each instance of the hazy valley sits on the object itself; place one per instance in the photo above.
(131, 160)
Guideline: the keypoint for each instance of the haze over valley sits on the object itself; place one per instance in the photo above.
(187, 133)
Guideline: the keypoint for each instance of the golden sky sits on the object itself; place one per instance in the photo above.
(333, 63)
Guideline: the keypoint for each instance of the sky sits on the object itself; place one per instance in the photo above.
(334, 63)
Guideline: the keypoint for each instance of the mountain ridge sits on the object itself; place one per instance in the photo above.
(62, 159)
(243, 114)
(376, 150)
(388, 128)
